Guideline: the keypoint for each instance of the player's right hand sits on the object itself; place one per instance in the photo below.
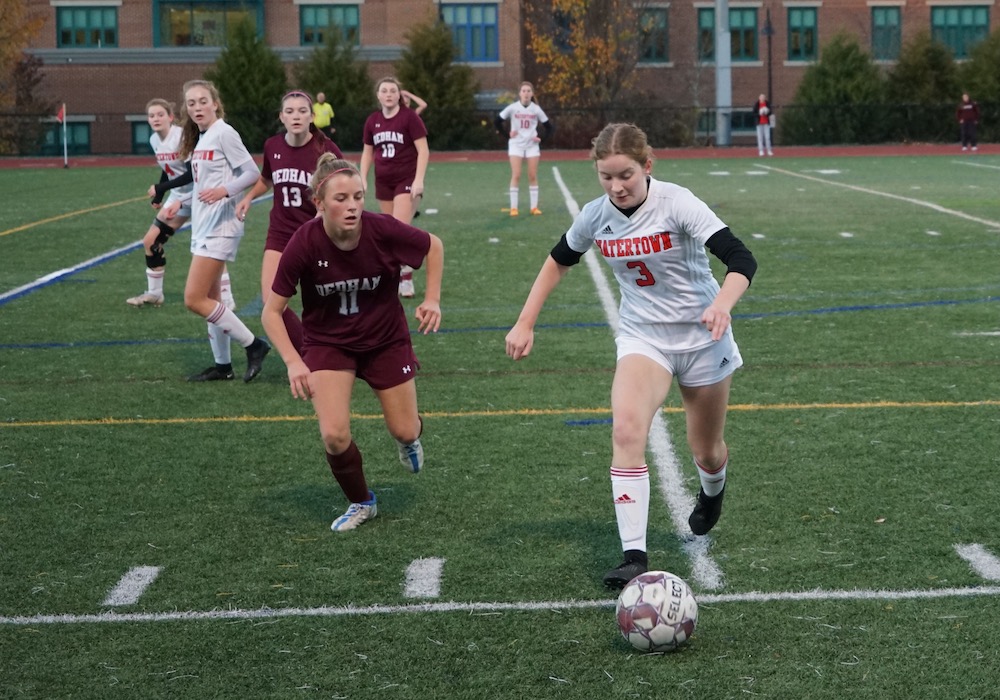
(519, 341)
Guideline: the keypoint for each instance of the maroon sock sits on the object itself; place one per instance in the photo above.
(346, 468)
(293, 324)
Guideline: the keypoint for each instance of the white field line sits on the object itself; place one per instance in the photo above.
(704, 571)
(423, 578)
(132, 585)
(976, 165)
(909, 200)
(491, 608)
(982, 561)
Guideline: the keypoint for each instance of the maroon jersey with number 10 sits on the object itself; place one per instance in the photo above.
(392, 139)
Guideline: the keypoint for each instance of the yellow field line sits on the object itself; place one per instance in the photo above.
(606, 411)
(70, 214)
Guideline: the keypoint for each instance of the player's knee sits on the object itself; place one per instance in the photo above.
(156, 258)
(335, 439)
(165, 231)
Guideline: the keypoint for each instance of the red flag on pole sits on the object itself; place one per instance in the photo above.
(61, 114)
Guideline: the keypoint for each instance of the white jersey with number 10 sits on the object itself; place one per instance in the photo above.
(524, 121)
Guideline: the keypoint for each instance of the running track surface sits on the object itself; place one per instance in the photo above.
(905, 149)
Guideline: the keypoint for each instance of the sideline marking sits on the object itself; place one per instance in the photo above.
(423, 578)
(981, 560)
(132, 585)
(60, 217)
(598, 410)
(704, 570)
(489, 608)
(889, 195)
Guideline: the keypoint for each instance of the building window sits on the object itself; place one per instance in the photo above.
(886, 33)
(140, 138)
(960, 27)
(77, 139)
(88, 27)
(742, 34)
(317, 21)
(654, 44)
(474, 29)
(203, 23)
(802, 39)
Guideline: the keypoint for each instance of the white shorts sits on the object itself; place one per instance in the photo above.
(530, 151)
(185, 209)
(708, 365)
(216, 247)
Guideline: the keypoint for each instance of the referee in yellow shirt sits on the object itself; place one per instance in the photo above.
(323, 115)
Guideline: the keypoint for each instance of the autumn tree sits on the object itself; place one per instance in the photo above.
(17, 27)
(588, 48)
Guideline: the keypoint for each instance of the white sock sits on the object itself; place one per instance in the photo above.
(513, 197)
(226, 289)
(533, 194)
(712, 482)
(231, 325)
(220, 343)
(154, 281)
(630, 489)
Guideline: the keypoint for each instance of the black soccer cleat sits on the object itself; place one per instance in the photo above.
(215, 373)
(256, 352)
(636, 562)
(706, 512)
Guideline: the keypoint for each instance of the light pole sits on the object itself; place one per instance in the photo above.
(768, 31)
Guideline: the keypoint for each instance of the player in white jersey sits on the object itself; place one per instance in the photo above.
(222, 168)
(675, 322)
(175, 179)
(525, 115)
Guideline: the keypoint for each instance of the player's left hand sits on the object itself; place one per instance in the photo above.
(429, 316)
(416, 191)
(213, 195)
(717, 321)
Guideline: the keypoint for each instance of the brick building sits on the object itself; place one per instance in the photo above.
(106, 58)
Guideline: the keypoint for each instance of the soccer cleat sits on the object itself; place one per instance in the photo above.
(356, 514)
(411, 456)
(514, 212)
(706, 512)
(256, 352)
(215, 373)
(406, 288)
(636, 562)
(536, 212)
(145, 298)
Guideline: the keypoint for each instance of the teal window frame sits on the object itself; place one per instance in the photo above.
(743, 34)
(960, 27)
(803, 34)
(887, 33)
(475, 29)
(77, 139)
(82, 27)
(654, 26)
(317, 21)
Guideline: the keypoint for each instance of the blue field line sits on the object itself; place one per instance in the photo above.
(497, 329)
(60, 275)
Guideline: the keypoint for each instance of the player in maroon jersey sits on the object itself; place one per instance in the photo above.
(289, 161)
(347, 264)
(395, 141)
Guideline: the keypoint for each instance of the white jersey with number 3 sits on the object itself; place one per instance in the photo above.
(219, 152)
(658, 257)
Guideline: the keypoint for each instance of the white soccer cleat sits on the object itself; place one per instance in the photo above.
(356, 514)
(406, 288)
(144, 299)
(411, 456)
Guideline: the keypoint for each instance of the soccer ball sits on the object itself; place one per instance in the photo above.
(657, 611)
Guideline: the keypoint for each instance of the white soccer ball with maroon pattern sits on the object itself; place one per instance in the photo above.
(657, 611)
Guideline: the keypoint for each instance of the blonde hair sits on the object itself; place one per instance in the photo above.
(327, 166)
(189, 136)
(388, 79)
(622, 139)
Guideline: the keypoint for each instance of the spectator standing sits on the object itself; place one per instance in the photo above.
(968, 121)
(762, 112)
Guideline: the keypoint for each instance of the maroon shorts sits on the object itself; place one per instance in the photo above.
(277, 241)
(388, 191)
(383, 368)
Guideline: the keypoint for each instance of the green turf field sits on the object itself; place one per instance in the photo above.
(858, 554)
